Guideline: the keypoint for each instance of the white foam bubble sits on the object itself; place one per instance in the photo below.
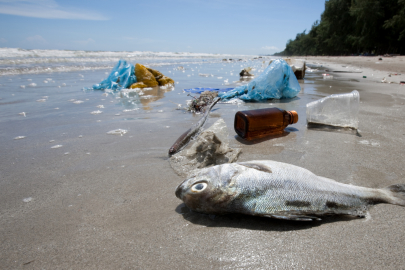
(22, 113)
(130, 110)
(41, 100)
(96, 112)
(22, 86)
(32, 84)
(78, 101)
(100, 106)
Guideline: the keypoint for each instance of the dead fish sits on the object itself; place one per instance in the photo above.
(279, 190)
(185, 138)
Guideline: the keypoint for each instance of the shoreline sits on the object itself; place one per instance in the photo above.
(367, 64)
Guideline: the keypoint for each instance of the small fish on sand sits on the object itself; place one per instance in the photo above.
(279, 190)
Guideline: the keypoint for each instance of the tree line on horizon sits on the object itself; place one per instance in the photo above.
(356, 27)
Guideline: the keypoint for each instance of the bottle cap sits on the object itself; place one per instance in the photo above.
(294, 117)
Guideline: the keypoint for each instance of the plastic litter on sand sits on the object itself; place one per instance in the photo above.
(277, 81)
(199, 90)
(117, 132)
(27, 199)
(56, 146)
(335, 110)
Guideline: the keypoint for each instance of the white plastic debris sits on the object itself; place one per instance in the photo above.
(27, 199)
(327, 77)
(335, 110)
(117, 132)
(210, 148)
(19, 137)
(56, 146)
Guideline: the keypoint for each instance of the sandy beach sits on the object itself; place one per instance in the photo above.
(102, 201)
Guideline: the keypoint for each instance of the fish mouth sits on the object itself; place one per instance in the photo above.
(179, 189)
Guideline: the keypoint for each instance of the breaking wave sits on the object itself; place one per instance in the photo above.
(20, 61)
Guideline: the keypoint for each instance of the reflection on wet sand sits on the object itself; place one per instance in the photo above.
(133, 98)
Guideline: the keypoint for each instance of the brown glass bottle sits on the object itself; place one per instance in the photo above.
(255, 124)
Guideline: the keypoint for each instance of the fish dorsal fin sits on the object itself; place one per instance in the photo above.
(256, 166)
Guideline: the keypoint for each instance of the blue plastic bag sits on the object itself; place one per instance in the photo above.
(277, 81)
(199, 90)
(122, 71)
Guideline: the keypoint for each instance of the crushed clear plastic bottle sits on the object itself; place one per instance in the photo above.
(335, 110)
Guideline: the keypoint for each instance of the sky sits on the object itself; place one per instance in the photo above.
(247, 27)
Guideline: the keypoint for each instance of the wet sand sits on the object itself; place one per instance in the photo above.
(109, 202)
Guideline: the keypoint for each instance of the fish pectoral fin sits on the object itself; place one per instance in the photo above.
(257, 166)
(295, 217)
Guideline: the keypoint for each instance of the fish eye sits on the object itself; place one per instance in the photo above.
(199, 187)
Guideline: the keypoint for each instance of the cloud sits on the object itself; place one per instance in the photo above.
(46, 9)
(3, 40)
(271, 48)
(37, 39)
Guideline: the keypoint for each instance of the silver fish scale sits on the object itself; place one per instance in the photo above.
(290, 189)
(278, 190)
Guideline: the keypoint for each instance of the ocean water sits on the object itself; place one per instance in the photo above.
(44, 103)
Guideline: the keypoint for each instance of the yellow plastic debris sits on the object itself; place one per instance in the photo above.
(145, 76)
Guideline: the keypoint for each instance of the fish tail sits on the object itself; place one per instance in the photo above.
(396, 194)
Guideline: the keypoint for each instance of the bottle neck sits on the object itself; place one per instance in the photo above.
(290, 117)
